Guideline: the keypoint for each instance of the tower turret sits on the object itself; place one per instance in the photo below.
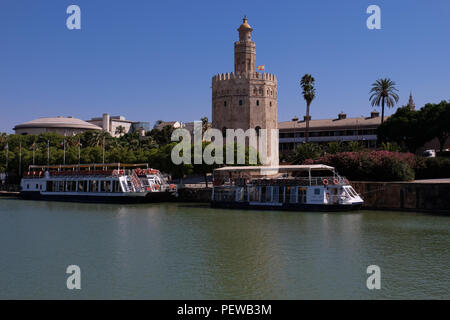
(244, 50)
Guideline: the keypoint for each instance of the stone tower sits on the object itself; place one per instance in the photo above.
(245, 98)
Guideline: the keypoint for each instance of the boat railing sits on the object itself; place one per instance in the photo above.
(290, 181)
(66, 173)
(137, 183)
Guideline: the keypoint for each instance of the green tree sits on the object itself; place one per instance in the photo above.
(309, 93)
(120, 130)
(436, 122)
(405, 128)
(306, 151)
(162, 137)
(383, 92)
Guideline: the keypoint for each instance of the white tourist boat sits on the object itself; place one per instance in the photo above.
(292, 187)
(110, 183)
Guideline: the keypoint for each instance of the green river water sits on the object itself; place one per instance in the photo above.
(190, 251)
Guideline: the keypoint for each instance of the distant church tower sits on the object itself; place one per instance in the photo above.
(411, 104)
(246, 98)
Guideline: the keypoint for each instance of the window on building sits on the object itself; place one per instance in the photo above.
(224, 103)
(258, 130)
(240, 102)
(270, 103)
(257, 102)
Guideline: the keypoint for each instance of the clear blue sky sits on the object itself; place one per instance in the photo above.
(150, 60)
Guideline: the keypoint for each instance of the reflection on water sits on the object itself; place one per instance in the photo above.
(186, 251)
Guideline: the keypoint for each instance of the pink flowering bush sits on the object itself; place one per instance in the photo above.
(371, 165)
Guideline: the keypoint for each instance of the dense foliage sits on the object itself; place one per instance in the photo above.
(371, 165)
(411, 129)
(155, 148)
(385, 164)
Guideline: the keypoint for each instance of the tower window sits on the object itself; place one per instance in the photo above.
(224, 103)
(240, 102)
(257, 102)
(270, 103)
(258, 130)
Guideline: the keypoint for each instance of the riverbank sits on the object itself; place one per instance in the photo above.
(422, 195)
(9, 194)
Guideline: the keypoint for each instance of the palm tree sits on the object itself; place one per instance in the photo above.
(120, 130)
(205, 124)
(309, 93)
(383, 93)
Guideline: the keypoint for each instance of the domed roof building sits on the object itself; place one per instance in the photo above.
(65, 126)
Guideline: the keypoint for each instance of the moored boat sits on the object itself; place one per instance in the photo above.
(110, 183)
(292, 187)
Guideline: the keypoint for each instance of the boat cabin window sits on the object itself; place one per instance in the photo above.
(82, 186)
(291, 192)
(71, 186)
(105, 186)
(93, 186)
(115, 186)
(301, 194)
(276, 194)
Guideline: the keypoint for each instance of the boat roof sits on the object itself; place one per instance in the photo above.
(286, 168)
(100, 165)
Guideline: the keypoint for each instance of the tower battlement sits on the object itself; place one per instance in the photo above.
(250, 76)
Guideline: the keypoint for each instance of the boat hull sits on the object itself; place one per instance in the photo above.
(286, 206)
(148, 198)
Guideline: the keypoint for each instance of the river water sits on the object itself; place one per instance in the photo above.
(190, 251)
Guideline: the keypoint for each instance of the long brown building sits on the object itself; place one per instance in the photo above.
(361, 129)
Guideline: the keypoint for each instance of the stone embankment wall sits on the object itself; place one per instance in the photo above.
(194, 195)
(407, 196)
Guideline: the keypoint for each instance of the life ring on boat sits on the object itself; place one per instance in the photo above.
(121, 172)
(346, 181)
(335, 181)
(172, 186)
(325, 182)
(156, 186)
